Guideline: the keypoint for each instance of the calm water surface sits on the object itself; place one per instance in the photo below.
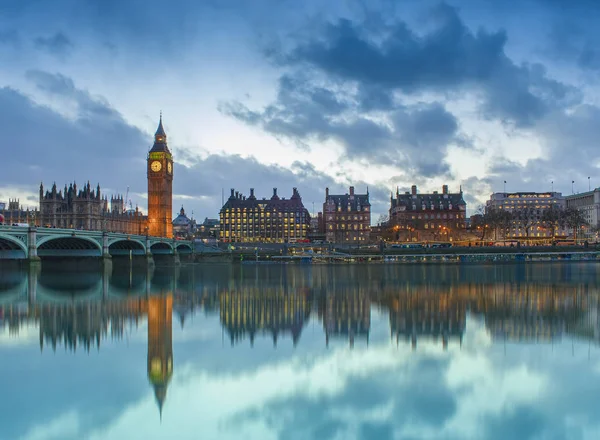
(301, 352)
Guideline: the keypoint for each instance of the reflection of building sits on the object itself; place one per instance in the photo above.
(347, 314)
(160, 186)
(247, 219)
(414, 315)
(589, 205)
(183, 227)
(160, 345)
(347, 218)
(531, 313)
(251, 311)
(87, 209)
(432, 216)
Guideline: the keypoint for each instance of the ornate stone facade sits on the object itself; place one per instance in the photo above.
(347, 218)
(160, 186)
(86, 209)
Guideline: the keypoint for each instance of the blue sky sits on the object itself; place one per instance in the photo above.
(300, 94)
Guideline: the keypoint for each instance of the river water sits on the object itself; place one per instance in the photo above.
(301, 352)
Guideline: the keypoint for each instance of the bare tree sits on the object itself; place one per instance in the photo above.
(552, 218)
(527, 218)
(574, 219)
(503, 220)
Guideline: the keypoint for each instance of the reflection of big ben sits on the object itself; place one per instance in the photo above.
(160, 186)
(160, 347)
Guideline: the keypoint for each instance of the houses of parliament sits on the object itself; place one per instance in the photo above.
(88, 208)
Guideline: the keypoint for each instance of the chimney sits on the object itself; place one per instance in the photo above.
(251, 192)
(351, 190)
(413, 190)
(444, 189)
(274, 192)
(326, 192)
(237, 194)
(232, 190)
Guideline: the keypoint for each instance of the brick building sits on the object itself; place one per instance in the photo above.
(277, 220)
(347, 217)
(429, 216)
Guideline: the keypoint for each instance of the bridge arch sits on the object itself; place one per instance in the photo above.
(161, 247)
(12, 247)
(125, 246)
(184, 248)
(69, 246)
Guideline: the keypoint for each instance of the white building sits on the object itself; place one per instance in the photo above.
(532, 205)
(589, 204)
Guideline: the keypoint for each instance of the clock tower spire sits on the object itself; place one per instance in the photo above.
(160, 185)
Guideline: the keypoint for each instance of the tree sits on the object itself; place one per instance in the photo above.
(552, 218)
(503, 220)
(574, 219)
(527, 218)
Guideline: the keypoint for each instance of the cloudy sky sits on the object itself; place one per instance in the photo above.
(305, 94)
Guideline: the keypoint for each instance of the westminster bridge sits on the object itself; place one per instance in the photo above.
(29, 243)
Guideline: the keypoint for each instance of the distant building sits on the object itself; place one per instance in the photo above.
(87, 209)
(527, 209)
(429, 216)
(589, 204)
(347, 217)
(15, 213)
(317, 228)
(209, 228)
(278, 220)
(183, 227)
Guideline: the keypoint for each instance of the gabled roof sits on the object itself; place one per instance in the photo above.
(354, 200)
(442, 201)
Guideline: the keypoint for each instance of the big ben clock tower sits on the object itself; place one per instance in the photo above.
(160, 186)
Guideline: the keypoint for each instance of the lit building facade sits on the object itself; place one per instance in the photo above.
(527, 211)
(86, 208)
(589, 205)
(429, 216)
(14, 213)
(347, 217)
(278, 220)
(160, 186)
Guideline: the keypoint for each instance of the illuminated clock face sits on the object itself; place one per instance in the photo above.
(155, 166)
(170, 167)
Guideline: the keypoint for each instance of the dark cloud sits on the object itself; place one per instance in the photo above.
(413, 136)
(58, 44)
(448, 58)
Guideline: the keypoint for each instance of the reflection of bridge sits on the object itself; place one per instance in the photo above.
(23, 243)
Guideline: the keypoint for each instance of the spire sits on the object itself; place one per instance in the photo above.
(160, 138)
(160, 131)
